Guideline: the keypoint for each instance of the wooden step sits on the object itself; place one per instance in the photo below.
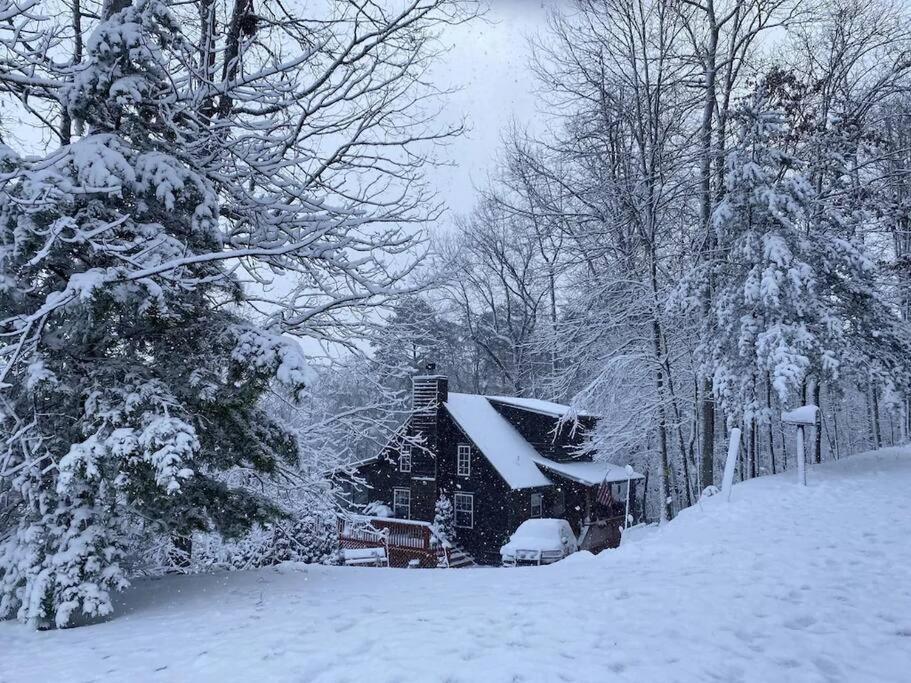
(458, 558)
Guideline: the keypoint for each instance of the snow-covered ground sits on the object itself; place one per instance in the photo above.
(783, 584)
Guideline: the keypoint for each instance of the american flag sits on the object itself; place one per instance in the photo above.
(605, 495)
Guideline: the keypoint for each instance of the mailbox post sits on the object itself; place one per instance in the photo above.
(803, 417)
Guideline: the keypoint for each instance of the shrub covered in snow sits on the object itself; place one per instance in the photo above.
(444, 520)
(311, 539)
(378, 509)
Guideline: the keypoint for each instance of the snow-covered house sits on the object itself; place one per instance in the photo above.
(500, 460)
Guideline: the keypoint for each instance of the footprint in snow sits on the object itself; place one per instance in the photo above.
(800, 623)
(827, 666)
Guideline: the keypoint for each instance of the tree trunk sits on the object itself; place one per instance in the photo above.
(753, 450)
(707, 471)
(665, 471)
(181, 553)
(768, 403)
(784, 447)
(67, 125)
(837, 450)
(710, 74)
(111, 7)
(742, 456)
(817, 437)
(688, 492)
(877, 434)
(243, 21)
(644, 499)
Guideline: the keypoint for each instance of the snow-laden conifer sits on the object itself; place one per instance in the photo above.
(793, 290)
(444, 520)
(129, 378)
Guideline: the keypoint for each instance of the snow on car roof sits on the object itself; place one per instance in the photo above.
(544, 526)
(538, 534)
(510, 454)
(538, 406)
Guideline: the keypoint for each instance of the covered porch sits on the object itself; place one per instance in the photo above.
(596, 500)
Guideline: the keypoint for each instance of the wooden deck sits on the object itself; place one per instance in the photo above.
(601, 534)
(407, 542)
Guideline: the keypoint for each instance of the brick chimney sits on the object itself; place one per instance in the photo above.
(429, 392)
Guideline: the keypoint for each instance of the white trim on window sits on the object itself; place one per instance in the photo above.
(463, 504)
(463, 460)
(405, 458)
(401, 499)
(537, 504)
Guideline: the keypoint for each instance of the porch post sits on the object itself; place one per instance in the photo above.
(626, 514)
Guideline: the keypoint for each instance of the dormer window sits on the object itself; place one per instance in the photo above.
(463, 460)
(405, 458)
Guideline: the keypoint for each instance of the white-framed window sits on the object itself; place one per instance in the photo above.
(537, 504)
(405, 458)
(401, 503)
(463, 460)
(464, 510)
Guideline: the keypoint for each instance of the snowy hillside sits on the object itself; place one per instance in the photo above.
(783, 584)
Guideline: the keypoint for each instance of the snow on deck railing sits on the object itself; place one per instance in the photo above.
(395, 520)
(394, 533)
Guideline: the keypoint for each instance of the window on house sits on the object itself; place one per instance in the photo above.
(537, 504)
(464, 510)
(463, 460)
(401, 503)
(405, 458)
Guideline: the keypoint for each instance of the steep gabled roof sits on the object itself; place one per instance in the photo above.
(509, 453)
(516, 460)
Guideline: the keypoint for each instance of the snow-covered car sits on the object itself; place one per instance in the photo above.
(539, 541)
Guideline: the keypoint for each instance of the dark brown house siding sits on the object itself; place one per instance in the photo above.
(497, 509)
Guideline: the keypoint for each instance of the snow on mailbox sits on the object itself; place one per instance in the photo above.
(803, 417)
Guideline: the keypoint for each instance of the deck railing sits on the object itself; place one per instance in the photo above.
(404, 539)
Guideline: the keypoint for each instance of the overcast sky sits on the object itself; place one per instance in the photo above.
(489, 62)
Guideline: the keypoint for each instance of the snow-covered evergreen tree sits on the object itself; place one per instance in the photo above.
(793, 293)
(444, 520)
(131, 381)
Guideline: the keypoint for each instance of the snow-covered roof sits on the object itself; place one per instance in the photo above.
(510, 454)
(588, 473)
(514, 458)
(537, 406)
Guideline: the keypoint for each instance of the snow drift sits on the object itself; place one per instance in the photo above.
(783, 584)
